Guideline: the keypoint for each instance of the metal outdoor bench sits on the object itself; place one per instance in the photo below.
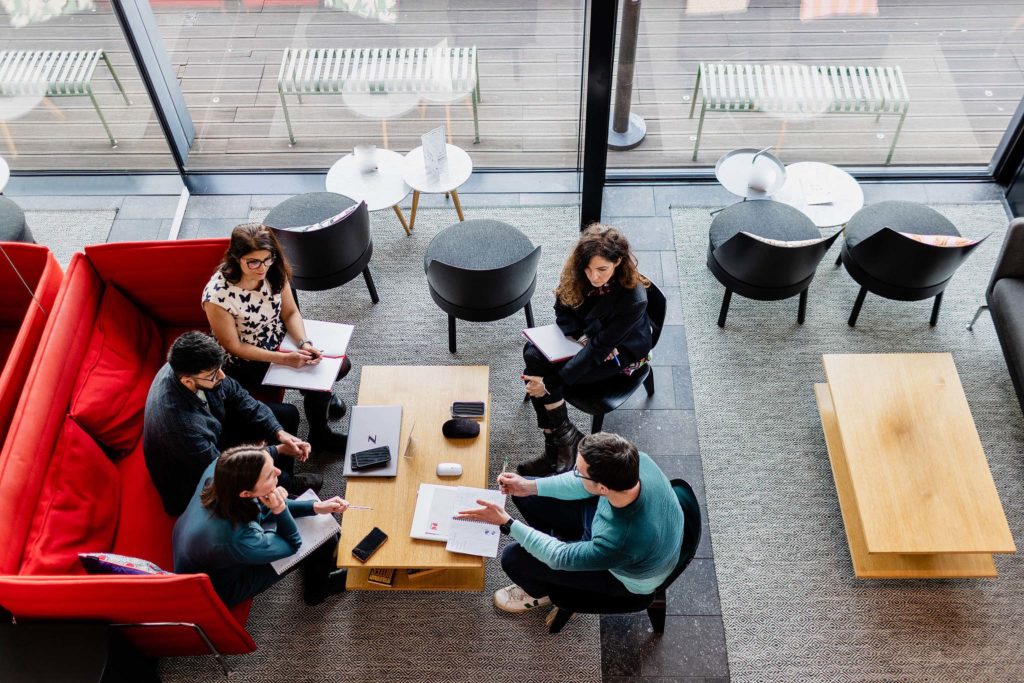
(55, 73)
(800, 89)
(438, 73)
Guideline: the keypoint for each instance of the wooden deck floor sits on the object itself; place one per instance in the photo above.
(962, 62)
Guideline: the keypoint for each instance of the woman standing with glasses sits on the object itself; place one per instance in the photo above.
(250, 304)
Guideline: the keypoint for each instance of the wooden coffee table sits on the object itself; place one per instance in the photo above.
(916, 493)
(425, 394)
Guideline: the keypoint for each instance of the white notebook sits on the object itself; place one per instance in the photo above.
(552, 342)
(332, 339)
(315, 531)
(434, 519)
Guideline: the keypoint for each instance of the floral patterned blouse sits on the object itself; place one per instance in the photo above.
(257, 313)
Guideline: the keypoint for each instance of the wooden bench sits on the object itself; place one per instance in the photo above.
(800, 89)
(439, 73)
(55, 73)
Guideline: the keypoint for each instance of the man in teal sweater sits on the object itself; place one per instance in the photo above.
(613, 526)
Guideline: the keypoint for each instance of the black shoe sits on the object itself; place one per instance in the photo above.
(336, 409)
(298, 483)
(567, 439)
(545, 464)
(328, 441)
(332, 585)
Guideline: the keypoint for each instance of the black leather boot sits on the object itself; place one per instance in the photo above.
(567, 439)
(545, 464)
(336, 409)
(321, 436)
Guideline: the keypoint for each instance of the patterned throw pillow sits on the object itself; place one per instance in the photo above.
(112, 563)
(327, 221)
(940, 240)
(786, 243)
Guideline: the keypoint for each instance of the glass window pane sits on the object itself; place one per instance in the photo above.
(72, 124)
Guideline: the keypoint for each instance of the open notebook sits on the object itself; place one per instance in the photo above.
(315, 531)
(332, 339)
(434, 519)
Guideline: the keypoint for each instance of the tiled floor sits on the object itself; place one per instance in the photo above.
(693, 646)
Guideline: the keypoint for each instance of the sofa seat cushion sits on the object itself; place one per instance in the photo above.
(1008, 315)
(143, 528)
(78, 506)
(123, 356)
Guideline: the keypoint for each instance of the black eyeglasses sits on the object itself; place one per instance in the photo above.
(214, 378)
(255, 263)
(576, 472)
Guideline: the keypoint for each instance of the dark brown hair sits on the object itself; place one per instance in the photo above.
(247, 238)
(608, 243)
(611, 460)
(238, 469)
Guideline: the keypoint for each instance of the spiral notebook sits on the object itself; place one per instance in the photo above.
(434, 519)
(315, 531)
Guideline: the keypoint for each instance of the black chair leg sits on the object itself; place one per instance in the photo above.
(451, 333)
(649, 383)
(802, 310)
(839, 258)
(856, 306)
(725, 307)
(656, 613)
(596, 423)
(935, 309)
(370, 286)
(529, 314)
(557, 619)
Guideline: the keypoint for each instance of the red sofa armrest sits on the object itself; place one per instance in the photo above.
(186, 598)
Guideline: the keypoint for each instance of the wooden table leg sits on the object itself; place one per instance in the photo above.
(401, 219)
(458, 205)
(412, 214)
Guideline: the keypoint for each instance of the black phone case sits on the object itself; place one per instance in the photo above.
(370, 458)
(467, 409)
(365, 549)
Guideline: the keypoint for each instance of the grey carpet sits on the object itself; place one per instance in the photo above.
(67, 232)
(792, 609)
(369, 636)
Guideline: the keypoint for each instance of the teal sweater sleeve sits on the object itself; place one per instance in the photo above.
(593, 555)
(300, 508)
(255, 545)
(565, 486)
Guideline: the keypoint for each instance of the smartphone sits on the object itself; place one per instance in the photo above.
(365, 549)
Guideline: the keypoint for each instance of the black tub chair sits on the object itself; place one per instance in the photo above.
(756, 269)
(891, 265)
(600, 398)
(328, 257)
(568, 601)
(481, 270)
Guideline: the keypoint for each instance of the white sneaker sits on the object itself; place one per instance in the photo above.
(515, 600)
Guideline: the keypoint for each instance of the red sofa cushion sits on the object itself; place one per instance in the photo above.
(124, 355)
(144, 529)
(77, 509)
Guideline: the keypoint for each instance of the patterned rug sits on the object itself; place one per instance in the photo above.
(67, 232)
(371, 636)
(792, 608)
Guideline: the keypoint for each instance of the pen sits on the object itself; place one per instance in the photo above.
(615, 357)
(358, 507)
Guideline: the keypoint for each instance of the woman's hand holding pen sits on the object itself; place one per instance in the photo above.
(614, 355)
(314, 352)
(335, 505)
(298, 359)
(534, 385)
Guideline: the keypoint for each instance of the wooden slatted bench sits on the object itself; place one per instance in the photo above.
(442, 73)
(801, 89)
(55, 73)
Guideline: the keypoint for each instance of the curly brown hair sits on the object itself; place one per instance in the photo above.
(247, 238)
(608, 243)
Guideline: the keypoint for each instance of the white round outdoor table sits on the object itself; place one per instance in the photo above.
(458, 170)
(380, 189)
(5, 174)
(807, 178)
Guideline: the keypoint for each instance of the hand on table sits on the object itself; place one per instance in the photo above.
(491, 513)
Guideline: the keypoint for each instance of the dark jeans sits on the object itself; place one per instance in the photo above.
(538, 365)
(259, 577)
(568, 520)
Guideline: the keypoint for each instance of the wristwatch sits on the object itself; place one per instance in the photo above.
(506, 528)
(306, 341)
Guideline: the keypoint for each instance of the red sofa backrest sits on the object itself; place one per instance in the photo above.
(21, 320)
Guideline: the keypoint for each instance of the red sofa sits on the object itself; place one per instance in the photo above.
(72, 474)
(21, 320)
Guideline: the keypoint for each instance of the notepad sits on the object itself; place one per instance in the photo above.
(315, 531)
(434, 519)
(332, 340)
(552, 342)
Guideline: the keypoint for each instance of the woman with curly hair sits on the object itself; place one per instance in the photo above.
(250, 304)
(600, 301)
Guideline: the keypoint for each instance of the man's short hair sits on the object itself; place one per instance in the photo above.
(611, 460)
(194, 352)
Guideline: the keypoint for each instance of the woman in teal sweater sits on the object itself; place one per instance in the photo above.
(223, 531)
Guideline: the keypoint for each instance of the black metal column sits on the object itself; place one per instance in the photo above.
(600, 59)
